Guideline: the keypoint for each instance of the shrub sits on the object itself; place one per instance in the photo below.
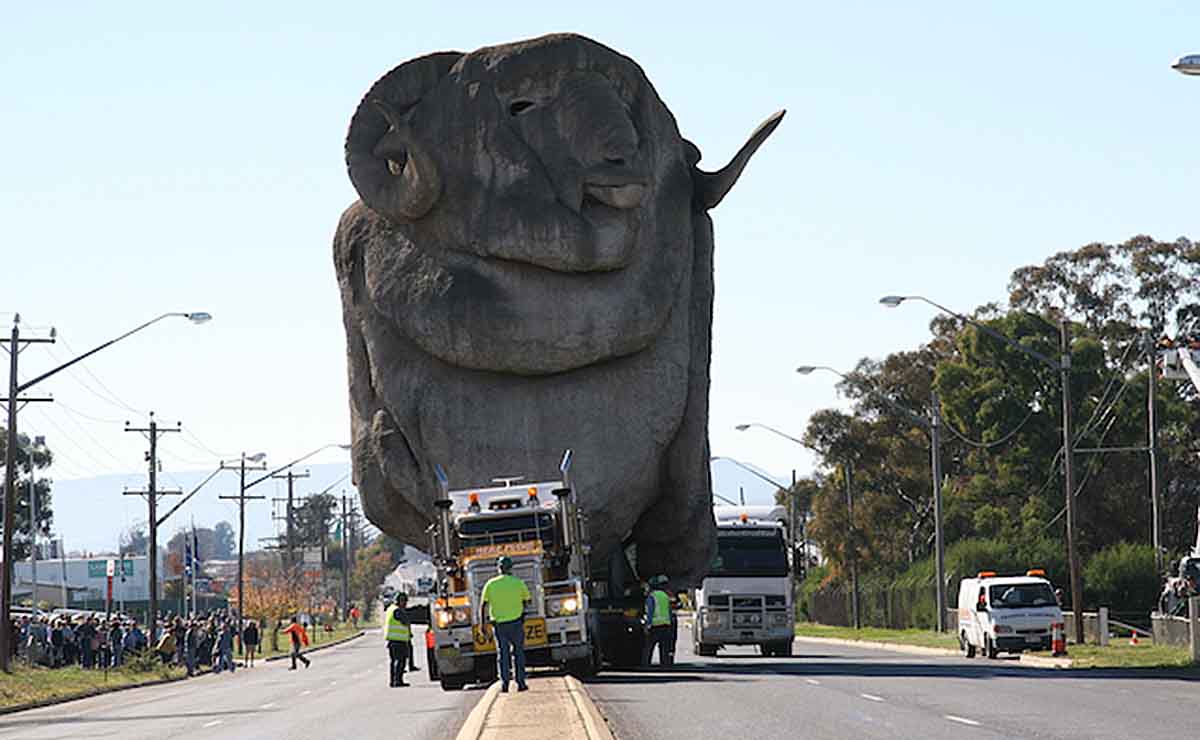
(1122, 577)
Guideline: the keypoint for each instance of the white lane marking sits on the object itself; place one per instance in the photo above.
(214, 723)
(306, 692)
(813, 681)
(268, 705)
(962, 720)
(872, 697)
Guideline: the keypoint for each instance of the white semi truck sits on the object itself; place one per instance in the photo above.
(746, 598)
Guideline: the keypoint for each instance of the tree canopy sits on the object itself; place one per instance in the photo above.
(1002, 415)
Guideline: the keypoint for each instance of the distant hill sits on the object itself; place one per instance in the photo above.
(90, 513)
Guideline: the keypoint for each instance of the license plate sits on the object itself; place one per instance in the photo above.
(535, 635)
(1032, 638)
(535, 632)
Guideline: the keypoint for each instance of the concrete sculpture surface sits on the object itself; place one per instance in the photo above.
(529, 269)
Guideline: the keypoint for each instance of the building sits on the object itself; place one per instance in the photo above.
(87, 581)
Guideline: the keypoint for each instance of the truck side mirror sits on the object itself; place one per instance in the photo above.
(981, 607)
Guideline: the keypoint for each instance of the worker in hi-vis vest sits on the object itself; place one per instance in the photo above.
(657, 620)
(505, 596)
(398, 633)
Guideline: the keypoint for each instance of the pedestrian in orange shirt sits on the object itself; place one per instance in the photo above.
(299, 638)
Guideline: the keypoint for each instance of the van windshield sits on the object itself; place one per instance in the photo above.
(1021, 595)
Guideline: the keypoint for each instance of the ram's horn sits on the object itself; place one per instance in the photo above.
(711, 187)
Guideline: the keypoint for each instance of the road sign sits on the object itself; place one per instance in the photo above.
(100, 568)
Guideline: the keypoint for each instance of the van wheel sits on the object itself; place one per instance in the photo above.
(989, 648)
(968, 650)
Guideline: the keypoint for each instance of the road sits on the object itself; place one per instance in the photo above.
(343, 695)
(839, 692)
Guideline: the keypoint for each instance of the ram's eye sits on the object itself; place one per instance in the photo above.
(519, 106)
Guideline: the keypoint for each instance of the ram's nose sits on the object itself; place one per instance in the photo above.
(601, 131)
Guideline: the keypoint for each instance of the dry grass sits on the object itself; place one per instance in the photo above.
(26, 685)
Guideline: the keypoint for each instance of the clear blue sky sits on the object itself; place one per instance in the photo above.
(159, 159)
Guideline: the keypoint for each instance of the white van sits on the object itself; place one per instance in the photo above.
(1006, 613)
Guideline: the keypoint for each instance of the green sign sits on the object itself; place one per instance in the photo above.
(99, 568)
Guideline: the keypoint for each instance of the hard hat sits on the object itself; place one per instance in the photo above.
(504, 563)
(401, 596)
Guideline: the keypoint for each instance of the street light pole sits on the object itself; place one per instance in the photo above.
(933, 426)
(847, 472)
(935, 464)
(241, 499)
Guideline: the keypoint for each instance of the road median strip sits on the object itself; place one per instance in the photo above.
(554, 707)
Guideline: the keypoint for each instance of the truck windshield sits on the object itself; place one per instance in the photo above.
(1021, 595)
(508, 528)
(750, 553)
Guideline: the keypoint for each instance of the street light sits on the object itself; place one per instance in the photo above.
(933, 425)
(1188, 64)
(1063, 366)
(15, 389)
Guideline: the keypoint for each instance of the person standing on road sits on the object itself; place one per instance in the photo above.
(657, 621)
(250, 640)
(299, 639)
(398, 633)
(505, 596)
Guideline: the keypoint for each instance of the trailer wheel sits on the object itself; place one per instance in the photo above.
(582, 667)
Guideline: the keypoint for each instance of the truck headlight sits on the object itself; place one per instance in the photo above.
(443, 618)
(462, 615)
(712, 619)
(562, 607)
(779, 619)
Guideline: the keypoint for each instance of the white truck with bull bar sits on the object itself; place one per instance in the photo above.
(746, 598)
(536, 525)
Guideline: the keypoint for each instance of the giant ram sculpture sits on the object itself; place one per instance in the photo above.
(529, 269)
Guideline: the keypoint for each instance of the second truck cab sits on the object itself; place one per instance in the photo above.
(746, 598)
(1006, 613)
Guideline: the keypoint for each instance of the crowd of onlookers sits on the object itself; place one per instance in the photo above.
(92, 642)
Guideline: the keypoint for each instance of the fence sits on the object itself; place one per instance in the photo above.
(891, 606)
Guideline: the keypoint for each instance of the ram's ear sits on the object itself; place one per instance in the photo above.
(711, 187)
(389, 165)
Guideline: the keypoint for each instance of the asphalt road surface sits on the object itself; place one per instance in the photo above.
(344, 694)
(829, 691)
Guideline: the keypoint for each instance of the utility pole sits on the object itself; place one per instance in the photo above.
(1069, 476)
(345, 559)
(793, 526)
(152, 493)
(1155, 504)
(291, 542)
(242, 498)
(847, 470)
(16, 344)
(935, 447)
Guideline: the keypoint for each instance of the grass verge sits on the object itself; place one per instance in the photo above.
(919, 638)
(317, 639)
(1146, 655)
(28, 685)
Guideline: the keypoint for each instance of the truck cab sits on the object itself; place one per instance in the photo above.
(532, 524)
(1006, 613)
(746, 597)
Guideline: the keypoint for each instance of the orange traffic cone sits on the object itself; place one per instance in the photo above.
(1058, 640)
(1133, 641)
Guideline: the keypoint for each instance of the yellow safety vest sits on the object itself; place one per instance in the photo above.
(662, 609)
(397, 629)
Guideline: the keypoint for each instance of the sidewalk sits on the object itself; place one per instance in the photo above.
(554, 707)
